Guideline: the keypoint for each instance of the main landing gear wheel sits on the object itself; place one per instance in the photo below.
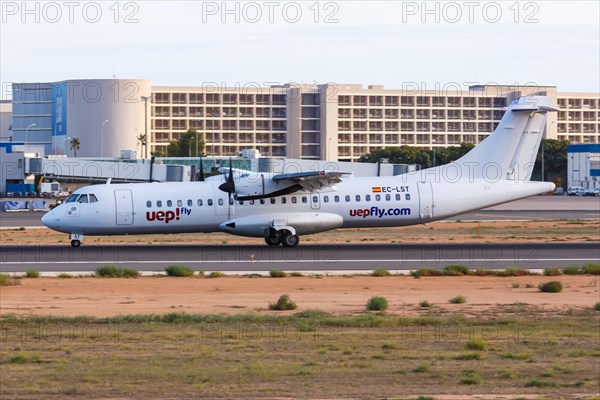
(75, 243)
(273, 240)
(289, 240)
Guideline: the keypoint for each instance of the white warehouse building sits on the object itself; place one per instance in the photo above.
(105, 115)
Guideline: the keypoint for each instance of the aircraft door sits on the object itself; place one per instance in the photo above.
(124, 207)
(315, 201)
(425, 200)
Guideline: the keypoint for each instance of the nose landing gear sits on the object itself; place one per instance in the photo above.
(76, 239)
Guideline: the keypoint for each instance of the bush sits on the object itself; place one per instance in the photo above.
(216, 274)
(179, 270)
(284, 303)
(468, 357)
(458, 300)
(7, 280)
(115, 271)
(597, 306)
(592, 269)
(420, 369)
(540, 384)
(551, 272)
(456, 270)
(572, 271)
(277, 273)
(32, 273)
(64, 275)
(296, 274)
(425, 304)
(427, 272)
(377, 304)
(476, 345)
(551, 287)
(471, 378)
(380, 272)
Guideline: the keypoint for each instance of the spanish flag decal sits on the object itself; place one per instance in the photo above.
(376, 189)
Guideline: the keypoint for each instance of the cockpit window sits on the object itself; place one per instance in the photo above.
(93, 198)
(72, 198)
(83, 198)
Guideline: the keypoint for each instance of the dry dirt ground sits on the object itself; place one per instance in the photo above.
(487, 297)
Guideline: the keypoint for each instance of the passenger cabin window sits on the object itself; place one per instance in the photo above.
(83, 198)
(368, 197)
(72, 198)
(209, 202)
(272, 200)
(283, 200)
(159, 203)
(179, 203)
(220, 202)
(398, 197)
(190, 203)
(199, 202)
(262, 201)
(93, 198)
(251, 202)
(241, 203)
(294, 200)
(388, 197)
(149, 204)
(169, 203)
(304, 199)
(336, 198)
(347, 198)
(407, 196)
(358, 197)
(325, 199)
(378, 197)
(231, 201)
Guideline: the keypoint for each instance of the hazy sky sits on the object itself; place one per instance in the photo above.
(370, 42)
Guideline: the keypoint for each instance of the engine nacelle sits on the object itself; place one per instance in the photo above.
(303, 223)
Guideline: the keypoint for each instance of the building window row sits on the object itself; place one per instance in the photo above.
(218, 98)
(421, 101)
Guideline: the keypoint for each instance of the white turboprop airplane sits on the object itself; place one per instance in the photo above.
(281, 207)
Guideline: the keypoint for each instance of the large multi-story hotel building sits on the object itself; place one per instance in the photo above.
(331, 121)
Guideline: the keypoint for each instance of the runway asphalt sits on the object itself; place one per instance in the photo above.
(309, 257)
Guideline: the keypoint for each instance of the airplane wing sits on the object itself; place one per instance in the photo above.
(311, 180)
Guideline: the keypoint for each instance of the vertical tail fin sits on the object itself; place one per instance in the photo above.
(513, 146)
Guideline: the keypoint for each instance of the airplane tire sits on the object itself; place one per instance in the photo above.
(289, 240)
(273, 240)
(75, 243)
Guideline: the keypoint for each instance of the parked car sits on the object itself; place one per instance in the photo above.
(575, 191)
(592, 192)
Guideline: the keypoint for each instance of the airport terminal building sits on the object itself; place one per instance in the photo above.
(330, 121)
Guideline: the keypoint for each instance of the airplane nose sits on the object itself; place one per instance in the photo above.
(49, 219)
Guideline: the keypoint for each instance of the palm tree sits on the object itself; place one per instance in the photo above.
(75, 145)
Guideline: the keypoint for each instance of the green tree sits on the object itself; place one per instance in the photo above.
(75, 146)
(414, 155)
(186, 145)
(555, 161)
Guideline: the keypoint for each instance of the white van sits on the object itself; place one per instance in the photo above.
(575, 191)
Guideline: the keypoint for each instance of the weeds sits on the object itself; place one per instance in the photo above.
(377, 304)
(425, 304)
(7, 280)
(458, 300)
(477, 345)
(216, 274)
(64, 275)
(179, 270)
(32, 273)
(277, 273)
(283, 304)
(551, 287)
(380, 272)
(115, 271)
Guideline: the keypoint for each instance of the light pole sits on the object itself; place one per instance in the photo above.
(65, 141)
(102, 138)
(433, 140)
(145, 99)
(27, 130)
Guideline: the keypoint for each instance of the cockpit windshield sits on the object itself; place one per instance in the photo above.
(72, 198)
(82, 198)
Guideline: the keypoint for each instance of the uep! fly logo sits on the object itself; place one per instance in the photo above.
(167, 216)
